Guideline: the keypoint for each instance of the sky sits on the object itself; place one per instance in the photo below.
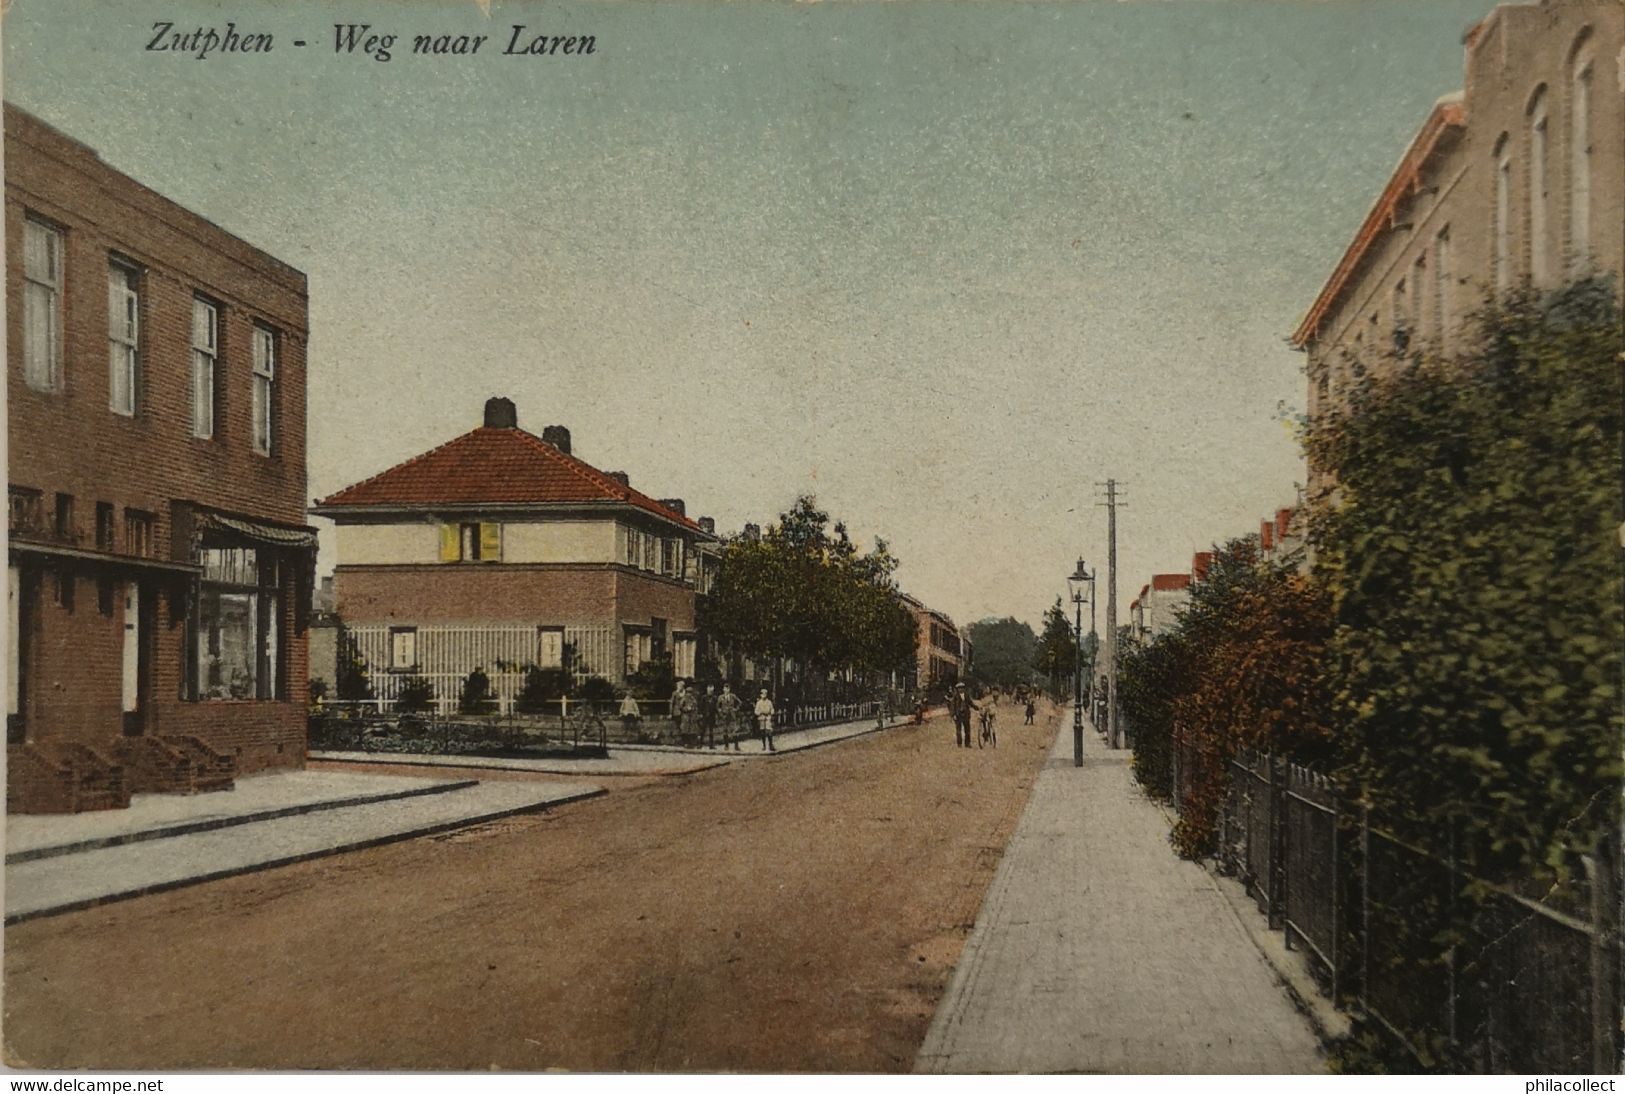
(946, 265)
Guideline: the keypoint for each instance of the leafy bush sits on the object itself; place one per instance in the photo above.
(416, 695)
(1474, 555)
(653, 679)
(542, 688)
(596, 689)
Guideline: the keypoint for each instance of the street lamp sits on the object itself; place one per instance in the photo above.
(1080, 577)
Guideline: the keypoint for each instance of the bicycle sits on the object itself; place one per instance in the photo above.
(989, 736)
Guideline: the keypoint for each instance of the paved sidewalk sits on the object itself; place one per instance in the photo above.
(784, 740)
(627, 759)
(1098, 950)
(255, 798)
(96, 875)
(618, 762)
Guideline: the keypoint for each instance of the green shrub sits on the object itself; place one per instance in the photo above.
(416, 695)
(542, 689)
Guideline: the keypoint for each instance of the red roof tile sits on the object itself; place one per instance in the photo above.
(1169, 582)
(494, 466)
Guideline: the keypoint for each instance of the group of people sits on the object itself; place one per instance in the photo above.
(961, 706)
(700, 718)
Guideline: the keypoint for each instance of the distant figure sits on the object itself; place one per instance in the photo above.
(708, 715)
(764, 721)
(631, 714)
(990, 735)
(1032, 708)
(919, 711)
(674, 708)
(959, 705)
(728, 712)
(688, 714)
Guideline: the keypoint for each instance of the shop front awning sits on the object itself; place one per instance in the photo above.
(106, 558)
(192, 522)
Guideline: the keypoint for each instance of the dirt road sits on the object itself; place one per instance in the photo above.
(787, 914)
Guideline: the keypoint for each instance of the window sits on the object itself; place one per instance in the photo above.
(471, 541)
(104, 526)
(63, 524)
(668, 557)
(631, 547)
(138, 533)
(1402, 326)
(1539, 260)
(1441, 287)
(550, 647)
(1503, 218)
(1580, 166)
(1418, 279)
(637, 649)
(263, 405)
(64, 589)
(42, 306)
(123, 338)
(657, 638)
(403, 649)
(27, 510)
(237, 637)
(648, 551)
(205, 351)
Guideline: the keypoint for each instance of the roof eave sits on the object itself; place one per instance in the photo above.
(1448, 114)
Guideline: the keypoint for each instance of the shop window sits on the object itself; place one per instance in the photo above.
(238, 640)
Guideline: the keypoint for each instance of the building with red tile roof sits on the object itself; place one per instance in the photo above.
(501, 550)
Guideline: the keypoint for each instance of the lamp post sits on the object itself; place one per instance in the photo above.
(1080, 577)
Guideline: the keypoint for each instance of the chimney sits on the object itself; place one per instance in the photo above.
(675, 505)
(558, 437)
(622, 478)
(500, 414)
(1283, 519)
(708, 526)
(1266, 535)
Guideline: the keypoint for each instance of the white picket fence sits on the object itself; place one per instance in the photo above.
(447, 654)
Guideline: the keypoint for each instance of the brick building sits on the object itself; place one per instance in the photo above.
(943, 656)
(1518, 179)
(500, 550)
(159, 563)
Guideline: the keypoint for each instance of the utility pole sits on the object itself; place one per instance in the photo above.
(1114, 498)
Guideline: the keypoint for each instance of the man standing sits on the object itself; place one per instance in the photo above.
(675, 709)
(959, 705)
(764, 721)
(728, 712)
(708, 715)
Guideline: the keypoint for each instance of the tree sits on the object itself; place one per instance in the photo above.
(1057, 652)
(803, 591)
(1005, 651)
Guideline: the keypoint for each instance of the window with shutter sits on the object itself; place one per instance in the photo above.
(490, 542)
(449, 551)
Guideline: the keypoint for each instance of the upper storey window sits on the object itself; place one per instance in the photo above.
(42, 306)
(1540, 260)
(123, 338)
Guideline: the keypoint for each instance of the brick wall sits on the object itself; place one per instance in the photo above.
(70, 442)
(506, 593)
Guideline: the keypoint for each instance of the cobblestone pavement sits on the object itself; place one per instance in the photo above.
(1098, 950)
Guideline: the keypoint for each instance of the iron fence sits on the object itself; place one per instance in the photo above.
(1466, 974)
